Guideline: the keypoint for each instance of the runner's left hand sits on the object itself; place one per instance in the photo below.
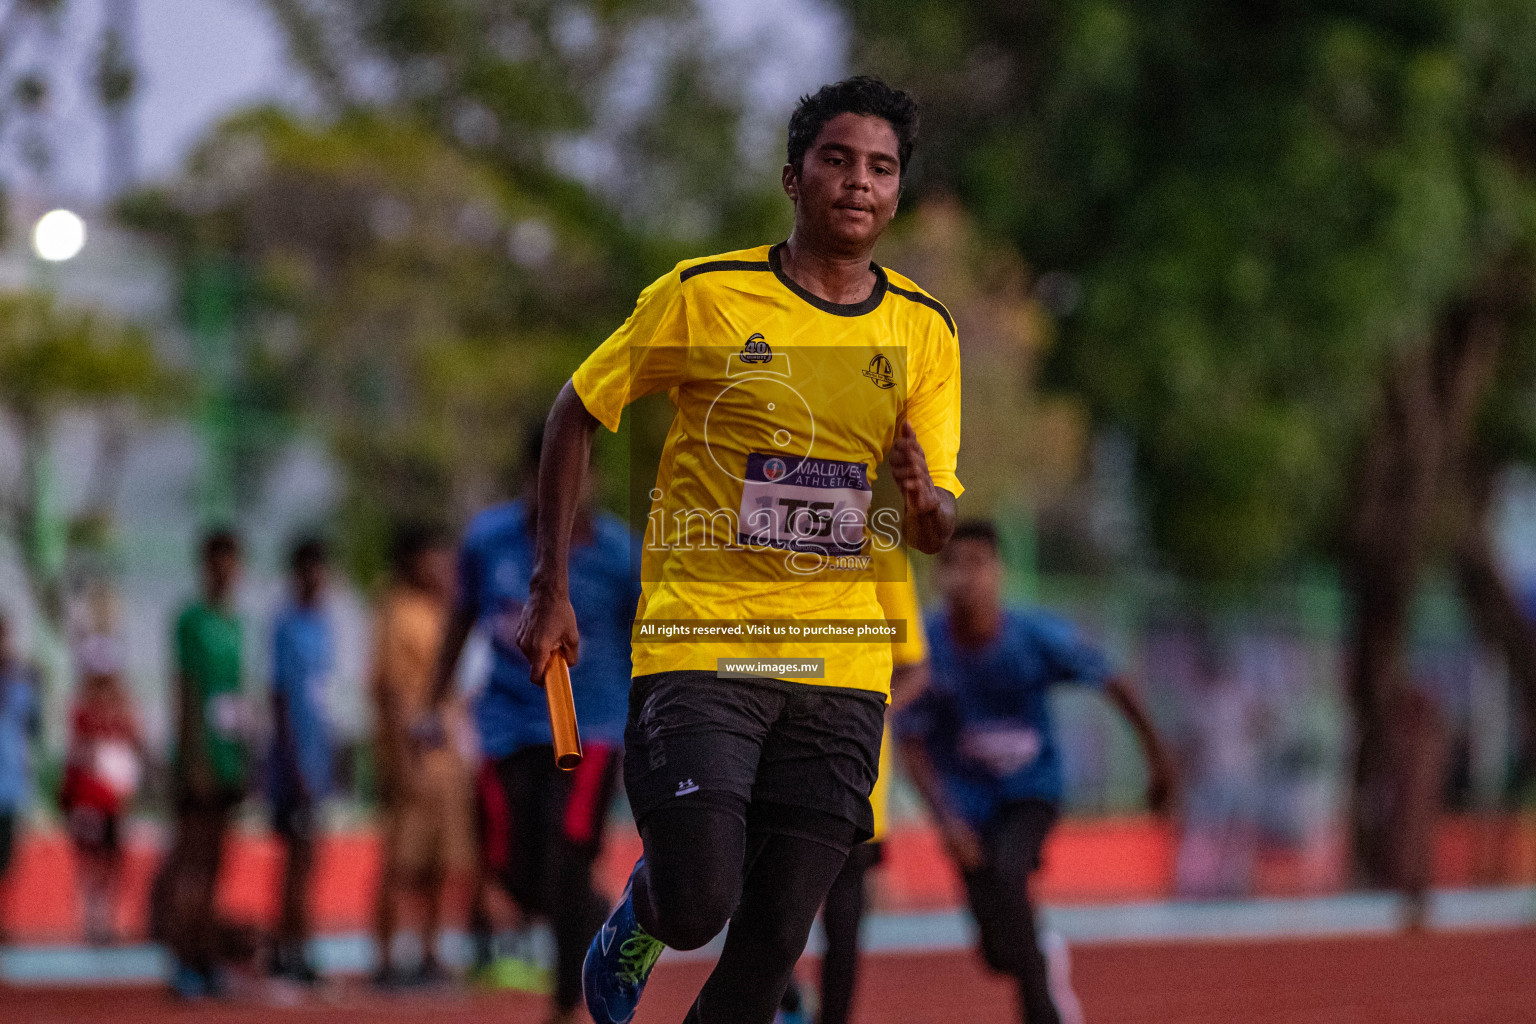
(1162, 786)
(909, 468)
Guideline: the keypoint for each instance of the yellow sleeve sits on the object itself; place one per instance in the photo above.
(646, 355)
(880, 796)
(897, 591)
(898, 600)
(933, 407)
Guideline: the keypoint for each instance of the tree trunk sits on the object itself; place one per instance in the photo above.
(1420, 436)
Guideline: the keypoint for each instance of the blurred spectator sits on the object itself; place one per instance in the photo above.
(299, 763)
(980, 746)
(101, 774)
(542, 828)
(1223, 763)
(209, 772)
(20, 723)
(423, 790)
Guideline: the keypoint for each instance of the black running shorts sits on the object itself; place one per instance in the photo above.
(768, 749)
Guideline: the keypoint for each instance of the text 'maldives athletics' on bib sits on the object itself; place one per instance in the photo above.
(785, 405)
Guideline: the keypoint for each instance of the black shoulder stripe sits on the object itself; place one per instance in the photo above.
(712, 265)
(931, 303)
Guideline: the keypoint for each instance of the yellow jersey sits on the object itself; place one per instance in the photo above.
(760, 522)
(898, 599)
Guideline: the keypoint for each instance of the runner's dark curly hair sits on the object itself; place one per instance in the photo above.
(858, 95)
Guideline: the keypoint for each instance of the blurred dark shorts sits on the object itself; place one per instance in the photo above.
(294, 819)
(791, 758)
(7, 840)
(94, 830)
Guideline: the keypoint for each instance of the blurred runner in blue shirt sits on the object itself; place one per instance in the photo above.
(494, 563)
(19, 726)
(299, 770)
(980, 746)
(541, 829)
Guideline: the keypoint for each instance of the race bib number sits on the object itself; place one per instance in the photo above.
(229, 715)
(117, 766)
(1002, 750)
(805, 504)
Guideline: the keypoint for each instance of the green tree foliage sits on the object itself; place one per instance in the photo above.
(630, 96)
(1262, 203)
(408, 303)
(1305, 236)
(35, 64)
(55, 361)
(487, 188)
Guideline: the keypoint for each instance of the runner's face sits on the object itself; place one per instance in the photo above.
(971, 576)
(311, 579)
(846, 188)
(221, 574)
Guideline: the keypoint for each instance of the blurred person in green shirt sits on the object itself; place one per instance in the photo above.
(209, 770)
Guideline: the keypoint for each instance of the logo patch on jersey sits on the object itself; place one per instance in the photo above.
(880, 372)
(687, 786)
(756, 350)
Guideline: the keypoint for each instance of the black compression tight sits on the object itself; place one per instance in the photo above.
(840, 918)
(702, 868)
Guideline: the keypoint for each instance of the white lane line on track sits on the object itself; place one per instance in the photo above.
(938, 931)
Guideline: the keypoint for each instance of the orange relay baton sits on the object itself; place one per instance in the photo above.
(562, 712)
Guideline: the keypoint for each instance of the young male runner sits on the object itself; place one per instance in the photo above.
(542, 828)
(980, 746)
(299, 764)
(794, 369)
(423, 794)
(843, 912)
(209, 774)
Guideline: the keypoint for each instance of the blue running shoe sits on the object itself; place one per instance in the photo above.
(619, 962)
(188, 984)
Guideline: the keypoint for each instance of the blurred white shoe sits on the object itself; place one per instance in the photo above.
(1058, 971)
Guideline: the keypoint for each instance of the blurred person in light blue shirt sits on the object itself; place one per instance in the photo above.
(20, 723)
(299, 766)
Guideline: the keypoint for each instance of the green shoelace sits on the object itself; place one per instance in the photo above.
(637, 955)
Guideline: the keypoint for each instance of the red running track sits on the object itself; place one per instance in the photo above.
(1466, 978)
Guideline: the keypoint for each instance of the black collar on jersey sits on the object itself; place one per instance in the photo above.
(869, 305)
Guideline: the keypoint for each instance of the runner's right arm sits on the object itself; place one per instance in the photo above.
(907, 684)
(549, 622)
(647, 355)
(961, 840)
(455, 635)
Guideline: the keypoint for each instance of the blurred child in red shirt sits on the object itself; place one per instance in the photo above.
(101, 776)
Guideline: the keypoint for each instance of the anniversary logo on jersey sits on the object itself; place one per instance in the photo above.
(756, 350)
